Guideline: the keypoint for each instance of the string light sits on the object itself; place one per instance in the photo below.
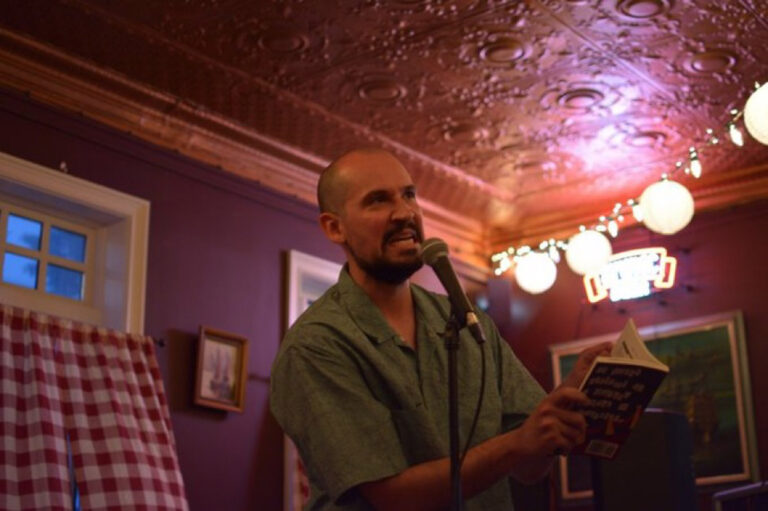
(695, 166)
(712, 139)
(613, 228)
(735, 134)
(756, 113)
(551, 248)
(587, 251)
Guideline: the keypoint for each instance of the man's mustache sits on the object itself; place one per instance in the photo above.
(400, 228)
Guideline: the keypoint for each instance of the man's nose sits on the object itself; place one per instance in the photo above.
(404, 210)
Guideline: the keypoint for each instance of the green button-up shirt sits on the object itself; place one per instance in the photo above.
(362, 405)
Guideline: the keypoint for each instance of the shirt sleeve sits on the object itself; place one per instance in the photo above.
(344, 436)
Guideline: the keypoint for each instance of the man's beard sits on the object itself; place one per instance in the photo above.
(389, 272)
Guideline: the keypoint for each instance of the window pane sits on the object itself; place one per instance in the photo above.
(20, 270)
(64, 282)
(67, 244)
(24, 232)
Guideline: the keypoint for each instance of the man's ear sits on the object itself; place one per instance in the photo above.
(332, 227)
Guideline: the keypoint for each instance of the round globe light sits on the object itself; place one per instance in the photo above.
(535, 272)
(667, 206)
(756, 114)
(587, 251)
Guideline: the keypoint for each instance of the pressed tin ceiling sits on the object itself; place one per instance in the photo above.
(525, 118)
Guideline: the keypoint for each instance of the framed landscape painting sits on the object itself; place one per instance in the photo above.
(708, 382)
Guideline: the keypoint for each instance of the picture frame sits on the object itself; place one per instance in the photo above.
(222, 360)
(717, 401)
(307, 278)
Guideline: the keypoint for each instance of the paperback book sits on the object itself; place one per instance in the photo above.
(620, 386)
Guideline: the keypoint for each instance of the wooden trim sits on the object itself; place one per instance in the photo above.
(723, 190)
(48, 75)
(165, 121)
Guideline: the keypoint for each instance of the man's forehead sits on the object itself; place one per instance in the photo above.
(378, 183)
(378, 172)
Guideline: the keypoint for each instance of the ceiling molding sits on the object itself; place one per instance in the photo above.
(518, 121)
(166, 121)
(739, 186)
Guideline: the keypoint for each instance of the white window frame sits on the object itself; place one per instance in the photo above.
(121, 223)
(42, 255)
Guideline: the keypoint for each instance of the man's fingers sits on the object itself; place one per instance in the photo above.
(565, 437)
(604, 348)
(584, 362)
(572, 419)
(559, 409)
(557, 423)
(568, 397)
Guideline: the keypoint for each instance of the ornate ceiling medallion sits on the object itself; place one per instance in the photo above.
(641, 135)
(709, 62)
(463, 131)
(381, 90)
(502, 50)
(253, 41)
(646, 139)
(582, 98)
(280, 41)
(642, 10)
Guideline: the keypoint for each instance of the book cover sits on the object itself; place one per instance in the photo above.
(620, 387)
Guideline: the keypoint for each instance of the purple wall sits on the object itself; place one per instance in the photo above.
(215, 258)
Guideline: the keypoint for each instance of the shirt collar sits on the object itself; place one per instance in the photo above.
(362, 310)
(369, 318)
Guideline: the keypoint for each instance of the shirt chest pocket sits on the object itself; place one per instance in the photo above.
(419, 438)
(392, 378)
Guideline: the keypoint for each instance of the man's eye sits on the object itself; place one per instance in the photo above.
(376, 198)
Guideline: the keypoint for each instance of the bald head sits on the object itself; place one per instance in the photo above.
(333, 183)
(368, 206)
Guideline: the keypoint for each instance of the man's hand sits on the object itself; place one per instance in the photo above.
(554, 426)
(584, 362)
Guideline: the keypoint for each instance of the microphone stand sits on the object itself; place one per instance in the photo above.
(452, 346)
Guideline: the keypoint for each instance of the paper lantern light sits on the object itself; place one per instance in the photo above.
(756, 114)
(667, 206)
(535, 272)
(587, 252)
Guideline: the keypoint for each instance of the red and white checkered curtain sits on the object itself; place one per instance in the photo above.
(98, 388)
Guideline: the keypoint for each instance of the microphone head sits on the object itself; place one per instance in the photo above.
(432, 249)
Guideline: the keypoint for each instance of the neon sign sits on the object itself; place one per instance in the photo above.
(632, 274)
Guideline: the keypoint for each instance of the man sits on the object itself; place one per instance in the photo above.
(360, 383)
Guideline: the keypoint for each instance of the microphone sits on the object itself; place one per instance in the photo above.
(434, 252)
